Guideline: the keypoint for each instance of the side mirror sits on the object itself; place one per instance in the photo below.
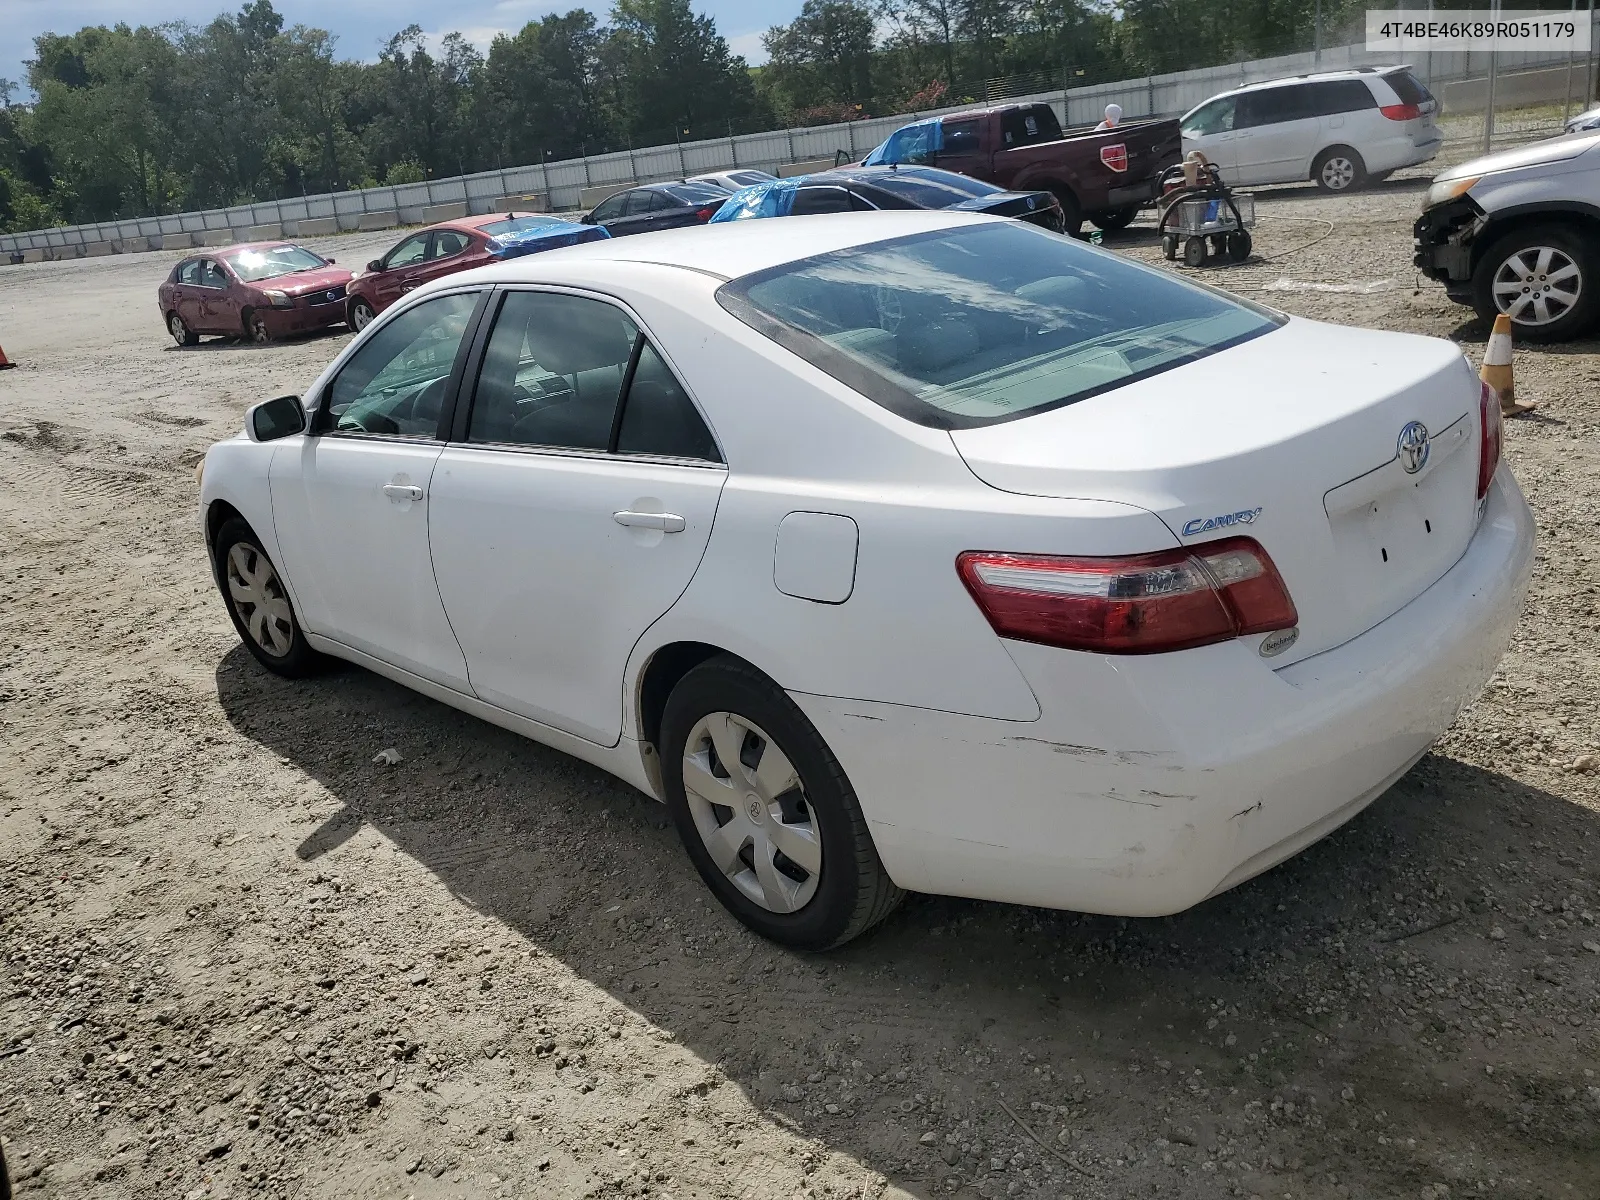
(375, 265)
(274, 419)
(586, 219)
(331, 259)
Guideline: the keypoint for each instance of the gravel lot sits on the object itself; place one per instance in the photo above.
(241, 959)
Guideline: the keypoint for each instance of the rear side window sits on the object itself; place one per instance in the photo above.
(960, 137)
(982, 324)
(640, 202)
(1332, 96)
(1025, 126)
(811, 200)
(1407, 87)
(189, 272)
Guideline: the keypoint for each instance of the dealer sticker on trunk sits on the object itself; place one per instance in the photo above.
(1244, 516)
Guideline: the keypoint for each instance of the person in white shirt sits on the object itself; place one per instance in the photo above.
(1113, 115)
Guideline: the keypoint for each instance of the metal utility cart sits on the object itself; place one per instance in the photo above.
(1206, 210)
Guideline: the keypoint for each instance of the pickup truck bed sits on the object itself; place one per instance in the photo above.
(1103, 175)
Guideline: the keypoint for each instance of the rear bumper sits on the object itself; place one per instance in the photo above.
(1143, 192)
(1152, 783)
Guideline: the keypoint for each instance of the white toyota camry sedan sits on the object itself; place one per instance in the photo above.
(892, 552)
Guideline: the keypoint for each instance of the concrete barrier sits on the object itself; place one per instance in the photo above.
(214, 237)
(378, 220)
(37, 254)
(317, 227)
(590, 196)
(101, 249)
(443, 212)
(537, 202)
(809, 167)
(155, 241)
(264, 233)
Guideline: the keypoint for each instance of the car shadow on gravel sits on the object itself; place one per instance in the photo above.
(1286, 983)
(210, 344)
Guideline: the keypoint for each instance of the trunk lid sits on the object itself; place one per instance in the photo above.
(1293, 438)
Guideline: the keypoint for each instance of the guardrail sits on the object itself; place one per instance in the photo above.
(564, 184)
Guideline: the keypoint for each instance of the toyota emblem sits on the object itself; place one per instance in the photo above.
(1412, 448)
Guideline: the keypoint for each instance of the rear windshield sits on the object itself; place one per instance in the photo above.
(695, 193)
(252, 266)
(518, 225)
(1408, 87)
(982, 324)
(928, 190)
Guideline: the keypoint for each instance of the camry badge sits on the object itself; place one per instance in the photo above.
(1244, 516)
(1413, 446)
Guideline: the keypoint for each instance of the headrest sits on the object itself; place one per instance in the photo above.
(568, 334)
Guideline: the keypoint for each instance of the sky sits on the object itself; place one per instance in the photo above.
(361, 26)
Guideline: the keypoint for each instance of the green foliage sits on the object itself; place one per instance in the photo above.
(133, 121)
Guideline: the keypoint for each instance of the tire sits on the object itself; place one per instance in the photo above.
(1194, 251)
(1071, 211)
(1115, 219)
(845, 891)
(180, 332)
(1169, 246)
(1570, 307)
(1239, 245)
(1339, 169)
(255, 328)
(246, 577)
(361, 315)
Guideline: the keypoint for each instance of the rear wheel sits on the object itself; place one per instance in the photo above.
(259, 604)
(1544, 277)
(765, 811)
(1339, 169)
(180, 331)
(1116, 218)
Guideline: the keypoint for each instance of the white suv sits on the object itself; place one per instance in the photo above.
(1339, 128)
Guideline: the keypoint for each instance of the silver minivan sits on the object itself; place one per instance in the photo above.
(1339, 128)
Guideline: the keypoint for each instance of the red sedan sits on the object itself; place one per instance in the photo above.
(452, 246)
(261, 291)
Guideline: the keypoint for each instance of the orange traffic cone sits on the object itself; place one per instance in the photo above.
(5, 363)
(1496, 370)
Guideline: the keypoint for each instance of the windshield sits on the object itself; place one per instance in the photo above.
(253, 266)
(519, 225)
(981, 324)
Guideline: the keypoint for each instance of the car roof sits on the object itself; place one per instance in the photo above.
(1317, 77)
(729, 249)
(478, 222)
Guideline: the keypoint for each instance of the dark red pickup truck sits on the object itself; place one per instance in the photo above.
(1103, 175)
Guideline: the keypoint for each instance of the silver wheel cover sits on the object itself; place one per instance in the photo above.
(362, 317)
(1537, 285)
(751, 812)
(259, 599)
(177, 329)
(1338, 173)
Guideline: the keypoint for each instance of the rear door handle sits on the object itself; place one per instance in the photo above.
(666, 522)
(402, 491)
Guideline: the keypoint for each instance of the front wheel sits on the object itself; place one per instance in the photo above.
(1115, 219)
(1339, 169)
(255, 327)
(361, 315)
(1194, 251)
(259, 604)
(1239, 245)
(1544, 277)
(765, 811)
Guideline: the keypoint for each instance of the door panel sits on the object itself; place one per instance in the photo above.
(546, 588)
(1210, 130)
(401, 271)
(1275, 134)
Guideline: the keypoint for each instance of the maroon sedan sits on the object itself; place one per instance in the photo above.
(261, 291)
(459, 245)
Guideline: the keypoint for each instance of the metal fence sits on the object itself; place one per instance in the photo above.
(1534, 80)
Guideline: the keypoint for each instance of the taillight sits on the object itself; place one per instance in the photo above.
(1143, 604)
(1401, 112)
(1491, 437)
(705, 214)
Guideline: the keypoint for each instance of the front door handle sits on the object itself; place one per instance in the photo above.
(666, 522)
(402, 491)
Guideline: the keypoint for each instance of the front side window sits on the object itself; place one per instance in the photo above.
(212, 275)
(556, 369)
(973, 326)
(408, 253)
(611, 207)
(252, 266)
(1216, 117)
(395, 383)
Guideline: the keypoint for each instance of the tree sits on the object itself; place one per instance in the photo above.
(542, 92)
(423, 102)
(824, 57)
(676, 72)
